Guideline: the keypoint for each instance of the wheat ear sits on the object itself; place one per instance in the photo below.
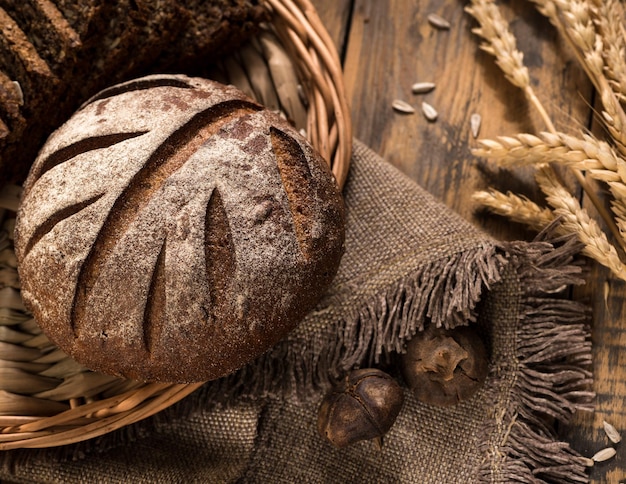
(501, 43)
(516, 208)
(594, 156)
(611, 28)
(574, 219)
(576, 21)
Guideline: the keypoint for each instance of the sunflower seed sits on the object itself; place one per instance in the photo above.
(402, 107)
(422, 87)
(475, 121)
(438, 21)
(429, 112)
(611, 432)
(604, 454)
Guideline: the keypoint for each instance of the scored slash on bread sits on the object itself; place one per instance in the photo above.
(173, 230)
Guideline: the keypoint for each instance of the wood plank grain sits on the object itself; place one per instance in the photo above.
(605, 294)
(391, 46)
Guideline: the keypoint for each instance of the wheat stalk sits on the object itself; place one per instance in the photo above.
(517, 208)
(587, 153)
(579, 21)
(574, 219)
(500, 42)
(594, 30)
(596, 157)
(611, 28)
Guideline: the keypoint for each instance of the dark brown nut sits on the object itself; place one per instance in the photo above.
(173, 230)
(445, 367)
(363, 406)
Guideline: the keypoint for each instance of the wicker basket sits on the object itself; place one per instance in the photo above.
(47, 399)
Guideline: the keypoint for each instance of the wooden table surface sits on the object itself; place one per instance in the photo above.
(387, 45)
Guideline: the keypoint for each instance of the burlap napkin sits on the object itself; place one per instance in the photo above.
(409, 261)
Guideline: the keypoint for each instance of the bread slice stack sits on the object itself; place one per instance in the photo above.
(54, 54)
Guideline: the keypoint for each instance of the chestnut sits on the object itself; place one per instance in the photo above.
(363, 406)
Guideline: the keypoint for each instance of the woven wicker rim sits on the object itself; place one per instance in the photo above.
(312, 51)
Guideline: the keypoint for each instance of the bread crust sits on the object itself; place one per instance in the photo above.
(173, 230)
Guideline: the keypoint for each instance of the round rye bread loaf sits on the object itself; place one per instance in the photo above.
(173, 230)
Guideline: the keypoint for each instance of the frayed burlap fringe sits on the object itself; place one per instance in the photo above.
(550, 378)
(443, 292)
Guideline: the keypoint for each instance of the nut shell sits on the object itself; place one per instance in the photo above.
(444, 367)
(363, 406)
(173, 230)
